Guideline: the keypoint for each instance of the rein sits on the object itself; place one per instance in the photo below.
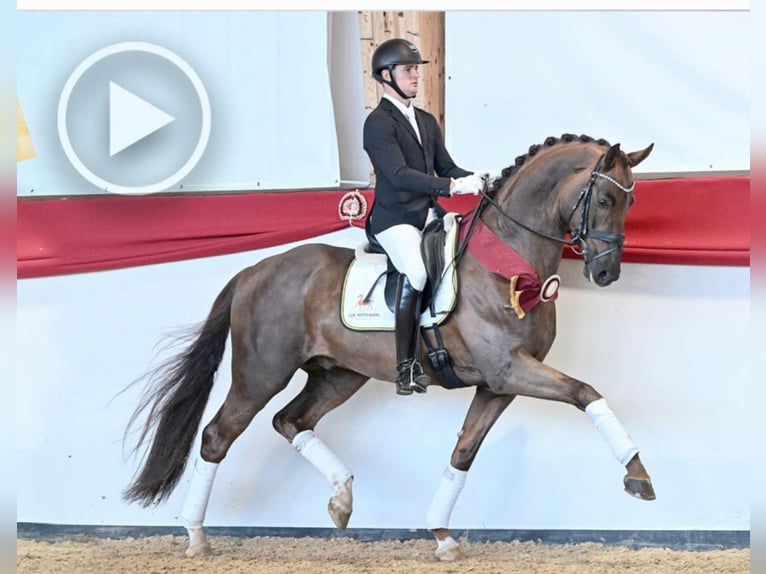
(436, 281)
(579, 235)
(485, 199)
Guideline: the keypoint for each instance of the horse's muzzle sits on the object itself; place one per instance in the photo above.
(604, 267)
(603, 277)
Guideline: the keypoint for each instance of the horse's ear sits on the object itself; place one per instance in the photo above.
(636, 157)
(611, 157)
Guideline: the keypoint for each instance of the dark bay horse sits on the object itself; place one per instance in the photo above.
(570, 190)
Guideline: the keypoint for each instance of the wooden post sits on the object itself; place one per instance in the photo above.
(432, 47)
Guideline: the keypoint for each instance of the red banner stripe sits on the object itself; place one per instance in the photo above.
(700, 221)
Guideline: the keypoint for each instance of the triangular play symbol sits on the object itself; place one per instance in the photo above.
(131, 119)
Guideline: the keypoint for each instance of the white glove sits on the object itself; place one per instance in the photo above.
(491, 175)
(470, 184)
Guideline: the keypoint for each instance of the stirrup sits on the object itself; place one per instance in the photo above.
(410, 378)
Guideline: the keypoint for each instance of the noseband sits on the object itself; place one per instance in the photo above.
(583, 232)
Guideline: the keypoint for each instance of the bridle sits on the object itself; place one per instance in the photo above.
(578, 235)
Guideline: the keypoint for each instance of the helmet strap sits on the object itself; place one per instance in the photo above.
(394, 85)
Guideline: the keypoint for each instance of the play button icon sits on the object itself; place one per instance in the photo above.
(134, 118)
(131, 118)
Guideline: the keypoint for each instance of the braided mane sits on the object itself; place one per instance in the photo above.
(551, 141)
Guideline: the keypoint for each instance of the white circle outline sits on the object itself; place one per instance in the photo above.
(553, 279)
(75, 76)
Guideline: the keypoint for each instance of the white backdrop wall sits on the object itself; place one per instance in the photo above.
(679, 79)
(272, 124)
(663, 345)
(281, 112)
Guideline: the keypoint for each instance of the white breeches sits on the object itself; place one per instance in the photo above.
(402, 244)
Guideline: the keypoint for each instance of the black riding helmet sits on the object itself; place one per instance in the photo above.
(393, 52)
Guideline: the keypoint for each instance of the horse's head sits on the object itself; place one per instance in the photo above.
(575, 184)
(597, 220)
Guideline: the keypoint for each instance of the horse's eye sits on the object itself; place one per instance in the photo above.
(602, 202)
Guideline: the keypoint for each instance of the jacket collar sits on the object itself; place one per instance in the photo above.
(393, 109)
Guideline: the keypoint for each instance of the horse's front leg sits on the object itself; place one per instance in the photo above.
(485, 408)
(531, 378)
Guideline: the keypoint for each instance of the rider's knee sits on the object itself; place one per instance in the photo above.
(417, 277)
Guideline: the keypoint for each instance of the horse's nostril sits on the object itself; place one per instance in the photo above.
(603, 277)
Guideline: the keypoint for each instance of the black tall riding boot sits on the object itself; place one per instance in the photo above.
(409, 373)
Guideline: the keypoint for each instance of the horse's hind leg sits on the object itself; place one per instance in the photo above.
(247, 396)
(324, 390)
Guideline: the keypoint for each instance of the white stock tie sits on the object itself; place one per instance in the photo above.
(411, 117)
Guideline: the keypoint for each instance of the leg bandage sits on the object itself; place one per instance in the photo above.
(199, 493)
(610, 428)
(444, 500)
(324, 460)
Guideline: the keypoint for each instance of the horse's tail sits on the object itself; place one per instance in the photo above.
(175, 397)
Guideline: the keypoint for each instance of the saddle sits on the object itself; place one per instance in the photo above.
(431, 249)
(368, 295)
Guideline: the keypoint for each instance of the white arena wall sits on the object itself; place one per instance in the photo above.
(664, 345)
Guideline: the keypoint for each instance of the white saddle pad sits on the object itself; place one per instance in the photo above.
(373, 314)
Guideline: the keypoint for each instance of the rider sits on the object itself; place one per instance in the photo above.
(406, 148)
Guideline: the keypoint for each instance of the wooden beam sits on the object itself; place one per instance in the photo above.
(431, 27)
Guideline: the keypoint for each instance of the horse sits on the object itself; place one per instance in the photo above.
(568, 191)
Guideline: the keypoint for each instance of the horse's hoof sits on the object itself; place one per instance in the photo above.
(341, 505)
(339, 516)
(448, 550)
(202, 549)
(198, 544)
(639, 487)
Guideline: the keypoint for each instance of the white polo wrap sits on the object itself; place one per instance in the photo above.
(610, 428)
(444, 500)
(324, 460)
(193, 512)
